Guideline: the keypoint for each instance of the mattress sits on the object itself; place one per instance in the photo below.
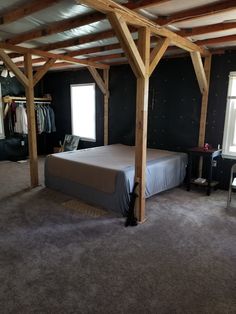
(104, 176)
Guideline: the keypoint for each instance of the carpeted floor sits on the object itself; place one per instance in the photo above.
(53, 259)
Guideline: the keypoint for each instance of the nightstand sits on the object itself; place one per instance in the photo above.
(208, 156)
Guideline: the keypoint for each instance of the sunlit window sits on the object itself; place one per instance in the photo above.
(229, 141)
(83, 111)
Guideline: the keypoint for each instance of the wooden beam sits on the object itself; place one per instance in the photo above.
(133, 18)
(18, 49)
(40, 73)
(20, 75)
(206, 29)
(207, 69)
(51, 55)
(199, 70)
(78, 40)
(57, 27)
(96, 49)
(217, 40)
(32, 139)
(24, 10)
(206, 10)
(127, 43)
(67, 59)
(203, 117)
(106, 107)
(144, 4)
(141, 123)
(98, 80)
(107, 57)
(157, 53)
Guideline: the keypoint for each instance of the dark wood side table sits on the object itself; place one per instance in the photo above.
(208, 156)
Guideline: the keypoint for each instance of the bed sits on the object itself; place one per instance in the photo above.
(104, 175)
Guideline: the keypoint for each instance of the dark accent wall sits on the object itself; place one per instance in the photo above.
(58, 85)
(174, 106)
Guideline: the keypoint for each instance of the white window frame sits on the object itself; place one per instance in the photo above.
(230, 122)
(72, 113)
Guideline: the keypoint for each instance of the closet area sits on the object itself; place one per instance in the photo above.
(14, 145)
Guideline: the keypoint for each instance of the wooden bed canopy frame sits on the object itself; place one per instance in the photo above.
(142, 59)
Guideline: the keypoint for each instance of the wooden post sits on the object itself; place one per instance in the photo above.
(203, 117)
(32, 139)
(141, 122)
(106, 105)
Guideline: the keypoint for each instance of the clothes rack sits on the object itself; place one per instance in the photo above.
(16, 99)
(45, 118)
(10, 99)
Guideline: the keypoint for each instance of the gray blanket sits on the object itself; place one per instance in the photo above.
(105, 175)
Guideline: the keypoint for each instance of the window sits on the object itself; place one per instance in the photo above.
(83, 113)
(229, 140)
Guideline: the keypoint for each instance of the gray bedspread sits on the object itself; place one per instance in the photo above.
(104, 175)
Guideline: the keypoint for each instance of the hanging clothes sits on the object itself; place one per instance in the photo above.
(45, 119)
(21, 124)
(17, 118)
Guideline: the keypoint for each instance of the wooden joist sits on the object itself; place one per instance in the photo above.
(144, 4)
(22, 11)
(57, 27)
(206, 10)
(206, 29)
(217, 40)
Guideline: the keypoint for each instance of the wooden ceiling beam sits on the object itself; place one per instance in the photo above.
(77, 40)
(202, 11)
(108, 57)
(50, 55)
(68, 59)
(216, 40)
(206, 29)
(127, 43)
(30, 7)
(133, 18)
(144, 4)
(94, 50)
(57, 27)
